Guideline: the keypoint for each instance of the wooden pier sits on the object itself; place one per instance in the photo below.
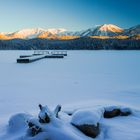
(30, 59)
(64, 53)
(54, 56)
(37, 55)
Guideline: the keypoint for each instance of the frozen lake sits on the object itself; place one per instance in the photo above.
(81, 77)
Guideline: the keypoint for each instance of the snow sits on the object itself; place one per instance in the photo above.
(56, 31)
(117, 128)
(28, 33)
(135, 30)
(33, 32)
(84, 80)
(33, 57)
(103, 30)
(121, 128)
(110, 27)
(18, 122)
(122, 108)
(97, 30)
(44, 110)
(89, 117)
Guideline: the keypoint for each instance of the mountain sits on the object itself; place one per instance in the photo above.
(132, 31)
(135, 37)
(71, 33)
(103, 30)
(46, 34)
(3, 36)
(56, 31)
(26, 33)
(34, 33)
(51, 33)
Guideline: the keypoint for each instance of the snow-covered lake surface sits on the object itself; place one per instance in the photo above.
(83, 78)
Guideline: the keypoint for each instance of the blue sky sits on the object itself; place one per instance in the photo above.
(69, 14)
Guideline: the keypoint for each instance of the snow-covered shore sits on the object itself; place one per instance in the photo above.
(62, 128)
(82, 79)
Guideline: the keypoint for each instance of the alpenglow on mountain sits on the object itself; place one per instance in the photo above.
(108, 30)
(103, 30)
(33, 33)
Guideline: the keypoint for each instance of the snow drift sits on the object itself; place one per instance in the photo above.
(23, 126)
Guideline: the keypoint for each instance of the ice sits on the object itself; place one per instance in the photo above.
(82, 80)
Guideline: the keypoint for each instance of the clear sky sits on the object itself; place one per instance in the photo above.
(69, 14)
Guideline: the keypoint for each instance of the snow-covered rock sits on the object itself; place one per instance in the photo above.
(44, 114)
(87, 121)
(86, 116)
(114, 111)
(18, 122)
(34, 127)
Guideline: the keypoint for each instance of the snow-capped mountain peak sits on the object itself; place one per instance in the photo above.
(103, 30)
(108, 30)
(27, 33)
(110, 27)
(34, 32)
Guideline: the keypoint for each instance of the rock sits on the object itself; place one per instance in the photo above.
(87, 121)
(46, 119)
(34, 130)
(44, 114)
(89, 130)
(113, 113)
(127, 113)
(57, 110)
(34, 127)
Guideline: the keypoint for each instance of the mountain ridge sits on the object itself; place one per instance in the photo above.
(107, 30)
